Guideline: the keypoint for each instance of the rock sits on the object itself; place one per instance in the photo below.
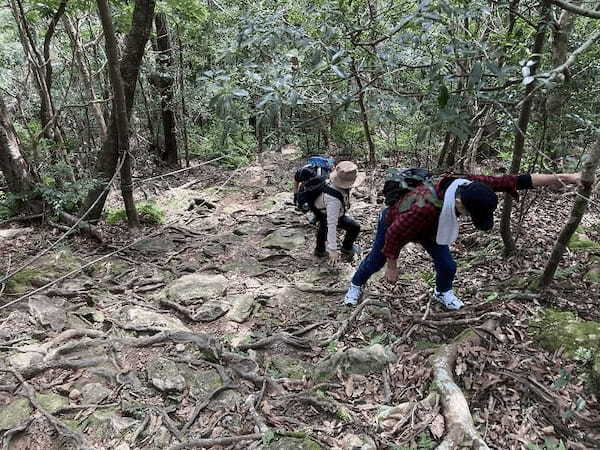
(211, 311)
(285, 238)
(289, 367)
(52, 402)
(195, 286)
(201, 382)
(48, 268)
(593, 275)
(27, 355)
(123, 446)
(580, 339)
(244, 265)
(48, 312)
(290, 443)
(291, 152)
(94, 393)
(355, 360)
(164, 375)
(241, 307)
(143, 318)
(356, 442)
(155, 245)
(14, 413)
(12, 233)
(74, 395)
(180, 348)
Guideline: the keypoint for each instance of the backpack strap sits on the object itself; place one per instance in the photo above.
(335, 193)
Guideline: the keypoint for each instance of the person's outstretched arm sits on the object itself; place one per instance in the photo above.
(555, 179)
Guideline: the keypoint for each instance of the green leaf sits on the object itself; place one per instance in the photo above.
(338, 56)
(443, 96)
(339, 72)
(476, 72)
(240, 92)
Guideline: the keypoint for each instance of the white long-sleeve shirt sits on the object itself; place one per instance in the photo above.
(333, 209)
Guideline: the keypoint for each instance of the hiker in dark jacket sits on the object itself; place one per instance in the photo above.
(330, 209)
(432, 222)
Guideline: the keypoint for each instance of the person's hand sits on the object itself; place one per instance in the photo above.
(296, 199)
(391, 273)
(334, 257)
(574, 178)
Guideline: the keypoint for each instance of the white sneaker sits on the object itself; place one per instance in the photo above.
(448, 299)
(353, 295)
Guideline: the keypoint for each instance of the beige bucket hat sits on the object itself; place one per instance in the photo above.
(346, 175)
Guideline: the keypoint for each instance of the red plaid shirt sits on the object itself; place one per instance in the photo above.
(419, 223)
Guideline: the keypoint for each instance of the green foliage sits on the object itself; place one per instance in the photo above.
(148, 213)
(59, 192)
(349, 135)
(237, 145)
(5, 206)
(549, 444)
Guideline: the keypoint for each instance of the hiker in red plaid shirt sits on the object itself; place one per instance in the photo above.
(431, 220)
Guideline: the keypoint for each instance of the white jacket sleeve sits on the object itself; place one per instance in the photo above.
(334, 209)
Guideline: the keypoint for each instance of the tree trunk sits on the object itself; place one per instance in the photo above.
(182, 93)
(86, 78)
(583, 194)
(364, 115)
(165, 81)
(18, 175)
(40, 66)
(556, 98)
(119, 111)
(524, 115)
(137, 39)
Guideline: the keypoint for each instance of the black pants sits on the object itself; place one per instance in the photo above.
(346, 223)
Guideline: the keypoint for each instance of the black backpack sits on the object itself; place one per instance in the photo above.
(399, 182)
(311, 189)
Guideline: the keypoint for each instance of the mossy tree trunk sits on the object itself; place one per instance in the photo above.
(19, 176)
(106, 164)
(119, 112)
(583, 195)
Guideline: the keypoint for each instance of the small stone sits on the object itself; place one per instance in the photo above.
(164, 375)
(211, 311)
(180, 348)
(48, 312)
(241, 308)
(74, 395)
(196, 286)
(94, 393)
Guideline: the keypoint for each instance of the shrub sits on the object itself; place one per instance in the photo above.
(148, 212)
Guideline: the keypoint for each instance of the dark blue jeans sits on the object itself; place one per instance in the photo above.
(445, 267)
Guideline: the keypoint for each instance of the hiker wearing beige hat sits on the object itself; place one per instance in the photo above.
(330, 208)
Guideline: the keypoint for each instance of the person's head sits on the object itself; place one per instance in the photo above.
(345, 175)
(478, 201)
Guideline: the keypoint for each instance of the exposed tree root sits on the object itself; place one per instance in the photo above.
(459, 422)
(214, 442)
(78, 438)
(346, 324)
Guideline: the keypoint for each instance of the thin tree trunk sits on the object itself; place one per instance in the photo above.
(164, 81)
(519, 145)
(583, 194)
(364, 115)
(183, 107)
(19, 177)
(86, 78)
(444, 151)
(137, 39)
(557, 97)
(119, 111)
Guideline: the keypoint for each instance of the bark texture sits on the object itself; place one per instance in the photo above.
(119, 112)
(137, 39)
(523, 123)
